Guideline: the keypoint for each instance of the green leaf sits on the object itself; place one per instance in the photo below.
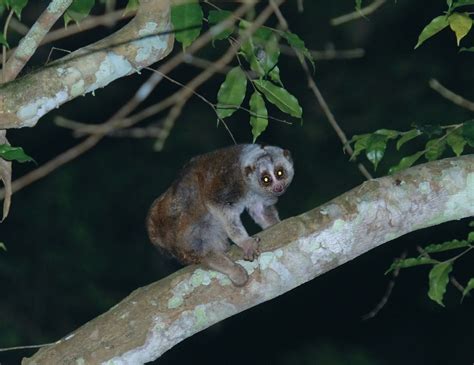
(275, 76)
(218, 16)
(468, 132)
(406, 162)
(359, 145)
(78, 10)
(407, 136)
(435, 148)
(446, 246)
(456, 141)
(468, 288)
(470, 237)
(435, 26)
(10, 153)
(410, 262)
(469, 49)
(187, 21)
(358, 5)
(17, 6)
(298, 45)
(231, 92)
(376, 145)
(389, 133)
(132, 5)
(460, 24)
(438, 279)
(459, 3)
(3, 40)
(259, 117)
(261, 50)
(429, 129)
(281, 98)
(2, 246)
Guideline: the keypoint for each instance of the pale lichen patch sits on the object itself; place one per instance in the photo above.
(424, 187)
(112, 67)
(150, 42)
(31, 112)
(57, 5)
(200, 316)
(78, 88)
(464, 198)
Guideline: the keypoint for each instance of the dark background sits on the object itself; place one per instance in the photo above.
(76, 239)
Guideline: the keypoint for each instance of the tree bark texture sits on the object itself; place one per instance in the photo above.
(155, 318)
(146, 39)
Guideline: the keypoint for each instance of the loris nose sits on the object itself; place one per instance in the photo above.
(278, 188)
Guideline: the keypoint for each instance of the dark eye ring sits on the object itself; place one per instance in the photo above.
(280, 173)
(266, 180)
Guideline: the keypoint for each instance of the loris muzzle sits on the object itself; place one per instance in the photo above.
(198, 214)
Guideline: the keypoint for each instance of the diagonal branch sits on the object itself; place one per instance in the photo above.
(147, 38)
(155, 318)
(33, 38)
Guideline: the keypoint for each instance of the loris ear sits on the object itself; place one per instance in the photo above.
(287, 154)
(249, 169)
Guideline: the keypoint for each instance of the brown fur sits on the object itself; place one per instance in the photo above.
(195, 218)
(184, 205)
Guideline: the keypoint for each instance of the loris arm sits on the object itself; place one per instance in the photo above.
(229, 216)
(264, 216)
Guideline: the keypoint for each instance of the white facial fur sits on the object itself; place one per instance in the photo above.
(261, 166)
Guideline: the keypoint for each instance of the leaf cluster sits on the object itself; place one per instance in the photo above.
(261, 52)
(456, 137)
(460, 23)
(440, 271)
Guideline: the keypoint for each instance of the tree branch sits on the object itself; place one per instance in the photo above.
(147, 38)
(155, 318)
(33, 38)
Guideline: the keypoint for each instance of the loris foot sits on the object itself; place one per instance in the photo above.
(250, 248)
(238, 275)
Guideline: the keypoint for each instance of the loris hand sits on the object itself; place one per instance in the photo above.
(250, 248)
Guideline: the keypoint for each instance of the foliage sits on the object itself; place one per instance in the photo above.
(459, 22)
(10, 153)
(455, 136)
(261, 51)
(440, 270)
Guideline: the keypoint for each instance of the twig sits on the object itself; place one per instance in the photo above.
(4, 48)
(329, 115)
(300, 6)
(19, 27)
(152, 131)
(25, 347)
(327, 54)
(357, 14)
(451, 96)
(31, 41)
(388, 292)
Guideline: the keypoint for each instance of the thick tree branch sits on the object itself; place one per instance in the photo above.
(143, 41)
(155, 318)
(33, 38)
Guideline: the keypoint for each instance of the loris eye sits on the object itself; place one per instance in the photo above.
(266, 179)
(280, 173)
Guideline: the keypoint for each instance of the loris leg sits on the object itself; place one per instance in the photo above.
(264, 216)
(230, 220)
(220, 262)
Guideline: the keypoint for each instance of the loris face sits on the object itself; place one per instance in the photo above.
(269, 169)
